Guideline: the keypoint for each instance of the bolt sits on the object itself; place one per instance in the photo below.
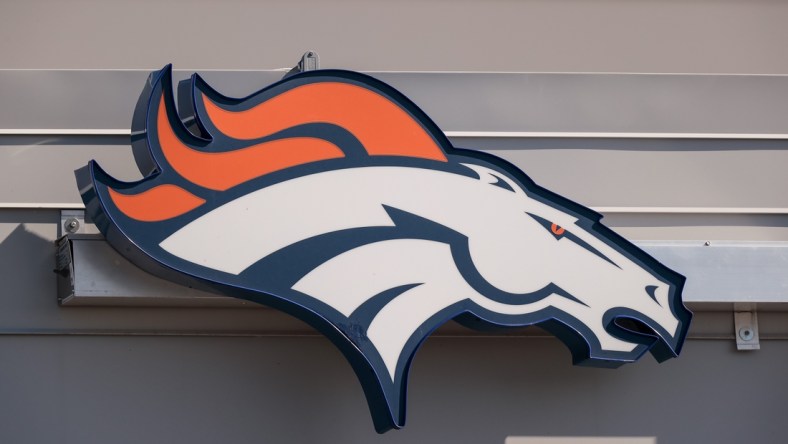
(746, 333)
(707, 243)
(71, 225)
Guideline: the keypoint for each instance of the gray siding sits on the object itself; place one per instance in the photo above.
(301, 390)
(698, 36)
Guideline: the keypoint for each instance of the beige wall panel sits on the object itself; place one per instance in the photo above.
(699, 36)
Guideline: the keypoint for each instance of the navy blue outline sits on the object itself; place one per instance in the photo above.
(270, 280)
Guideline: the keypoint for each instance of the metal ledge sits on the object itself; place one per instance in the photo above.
(91, 273)
(719, 275)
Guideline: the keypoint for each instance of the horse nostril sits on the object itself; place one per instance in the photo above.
(651, 290)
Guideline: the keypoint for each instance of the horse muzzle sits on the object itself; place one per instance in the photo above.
(634, 326)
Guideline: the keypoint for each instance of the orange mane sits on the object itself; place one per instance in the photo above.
(381, 125)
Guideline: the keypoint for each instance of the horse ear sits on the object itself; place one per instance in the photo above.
(141, 148)
(186, 107)
(202, 96)
(155, 115)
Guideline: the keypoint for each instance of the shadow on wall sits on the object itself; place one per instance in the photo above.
(26, 261)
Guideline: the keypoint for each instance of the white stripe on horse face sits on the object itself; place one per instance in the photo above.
(239, 233)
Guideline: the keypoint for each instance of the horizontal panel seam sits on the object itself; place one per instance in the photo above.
(455, 134)
(599, 209)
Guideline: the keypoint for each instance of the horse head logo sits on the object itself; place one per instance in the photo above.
(332, 197)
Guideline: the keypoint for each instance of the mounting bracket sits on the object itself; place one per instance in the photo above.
(310, 61)
(745, 320)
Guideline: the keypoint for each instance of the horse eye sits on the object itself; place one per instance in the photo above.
(557, 230)
(560, 232)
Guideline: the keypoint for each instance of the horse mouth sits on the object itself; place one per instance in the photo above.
(631, 326)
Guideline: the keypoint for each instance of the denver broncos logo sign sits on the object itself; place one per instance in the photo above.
(332, 197)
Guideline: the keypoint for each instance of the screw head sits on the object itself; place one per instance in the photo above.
(71, 225)
(746, 333)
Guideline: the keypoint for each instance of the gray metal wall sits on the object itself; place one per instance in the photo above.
(698, 36)
(190, 375)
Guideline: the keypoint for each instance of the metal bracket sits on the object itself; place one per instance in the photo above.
(745, 324)
(71, 222)
(310, 61)
(74, 222)
(90, 272)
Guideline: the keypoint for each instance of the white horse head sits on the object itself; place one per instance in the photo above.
(375, 237)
